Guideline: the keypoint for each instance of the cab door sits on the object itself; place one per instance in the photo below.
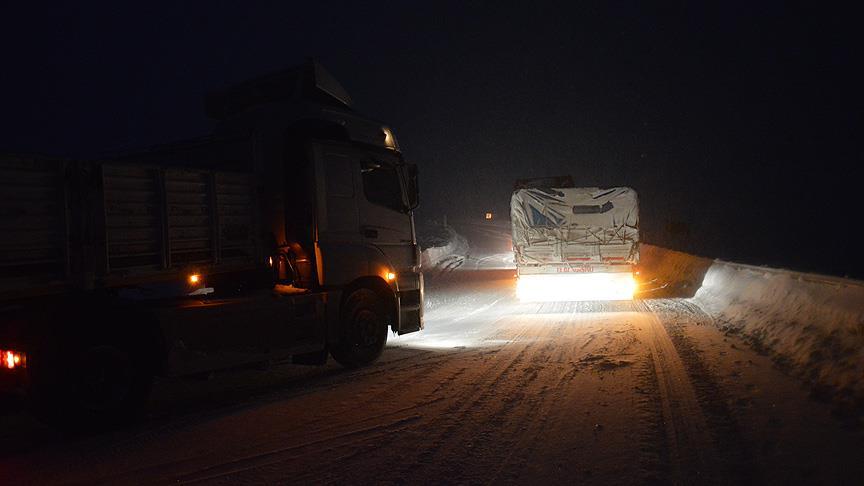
(384, 219)
(340, 256)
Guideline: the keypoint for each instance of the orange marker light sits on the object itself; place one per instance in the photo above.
(391, 276)
(12, 359)
(194, 278)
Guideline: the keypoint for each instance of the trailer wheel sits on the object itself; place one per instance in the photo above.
(93, 387)
(363, 331)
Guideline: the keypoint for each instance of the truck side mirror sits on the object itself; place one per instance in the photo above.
(413, 187)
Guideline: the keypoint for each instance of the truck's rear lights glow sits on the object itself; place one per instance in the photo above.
(575, 287)
(194, 279)
(391, 276)
(12, 359)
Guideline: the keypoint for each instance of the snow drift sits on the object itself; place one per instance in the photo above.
(810, 323)
(452, 244)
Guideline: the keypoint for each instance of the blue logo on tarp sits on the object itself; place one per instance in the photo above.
(540, 219)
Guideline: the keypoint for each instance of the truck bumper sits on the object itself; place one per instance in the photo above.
(577, 286)
(411, 305)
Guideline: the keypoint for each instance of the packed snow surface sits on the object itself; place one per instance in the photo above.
(495, 391)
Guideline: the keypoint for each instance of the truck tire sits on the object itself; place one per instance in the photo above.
(95, 386)
(363, 330)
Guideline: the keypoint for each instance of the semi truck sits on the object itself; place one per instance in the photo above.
(574, 243)
(286, 234)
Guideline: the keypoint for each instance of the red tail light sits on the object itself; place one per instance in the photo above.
(11, 359)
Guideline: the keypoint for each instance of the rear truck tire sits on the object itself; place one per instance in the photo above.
(363, 330)
(92, 387)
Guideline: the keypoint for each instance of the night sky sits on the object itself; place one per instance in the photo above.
(737, 123)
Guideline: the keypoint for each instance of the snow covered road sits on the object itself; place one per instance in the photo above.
(493, 391)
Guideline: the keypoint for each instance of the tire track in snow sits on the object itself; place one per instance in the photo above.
(704, 444)
(687, 432)
(408, 371)
(269, 458)
(572, 357)
(490, 406)
(738, 460)
(654, 444)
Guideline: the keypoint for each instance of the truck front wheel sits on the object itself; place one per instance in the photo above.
(363, 330)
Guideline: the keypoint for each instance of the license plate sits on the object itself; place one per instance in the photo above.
(576, 269)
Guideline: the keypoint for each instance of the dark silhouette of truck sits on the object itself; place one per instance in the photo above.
(286, 234)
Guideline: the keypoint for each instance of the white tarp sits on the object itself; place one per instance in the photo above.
(570, 224)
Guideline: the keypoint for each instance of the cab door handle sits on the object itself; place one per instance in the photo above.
(370, 233)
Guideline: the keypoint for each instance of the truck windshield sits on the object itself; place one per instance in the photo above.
(382, 185)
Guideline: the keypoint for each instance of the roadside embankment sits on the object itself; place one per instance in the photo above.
(811, 324)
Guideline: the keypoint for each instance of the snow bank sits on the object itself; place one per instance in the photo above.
(668, 273)
(455, 245)
(811, 323)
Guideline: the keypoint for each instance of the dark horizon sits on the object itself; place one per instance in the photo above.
(734, 123)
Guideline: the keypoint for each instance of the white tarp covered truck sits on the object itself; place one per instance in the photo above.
(574, 243)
